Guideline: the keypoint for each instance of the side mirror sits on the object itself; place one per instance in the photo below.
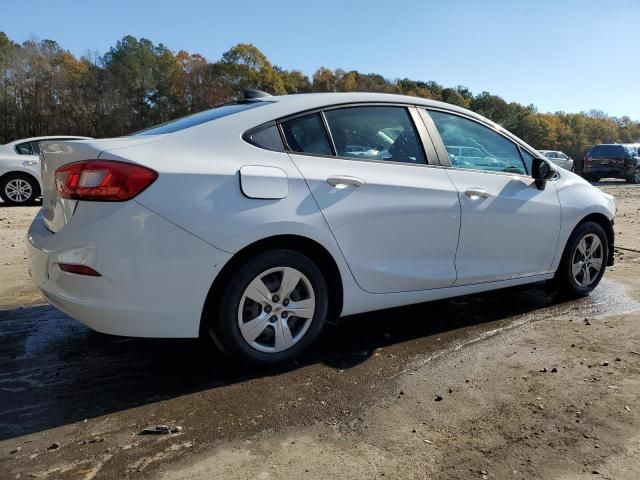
(541, 171)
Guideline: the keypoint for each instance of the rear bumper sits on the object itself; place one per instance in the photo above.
(625, 170)
(154, 279)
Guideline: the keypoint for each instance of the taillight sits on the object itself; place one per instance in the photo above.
(102, 180)
(587, 159)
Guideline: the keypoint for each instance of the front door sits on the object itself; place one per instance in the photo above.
(509, 227)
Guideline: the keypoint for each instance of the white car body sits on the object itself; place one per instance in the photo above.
(559, 158)
(11, 161)
(408, 234)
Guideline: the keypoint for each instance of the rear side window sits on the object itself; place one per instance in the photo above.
(35, 148)
(199, 118)
(608, 151)
(375, 133)
(307, 135)
(24, 148)
(265, 137)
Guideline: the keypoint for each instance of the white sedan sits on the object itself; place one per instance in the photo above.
(256, 222)
(20, 169)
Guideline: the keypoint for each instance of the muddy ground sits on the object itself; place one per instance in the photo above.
(511, 384)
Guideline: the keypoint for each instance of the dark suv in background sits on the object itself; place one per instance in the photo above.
(614, 160)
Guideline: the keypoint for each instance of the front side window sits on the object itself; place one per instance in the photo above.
(307, 135)
(528, 159)
(491, 151)
(375, 133)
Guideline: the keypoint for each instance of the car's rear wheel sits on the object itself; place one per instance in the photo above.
(19, 189)
(583, 261)
(635, 178)
(271, 309)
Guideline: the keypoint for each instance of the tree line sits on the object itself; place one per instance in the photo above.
(46, 90)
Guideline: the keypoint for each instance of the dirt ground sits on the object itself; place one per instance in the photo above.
(514, 384)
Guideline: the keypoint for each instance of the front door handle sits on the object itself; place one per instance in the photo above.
(476, 193)
(344, 181)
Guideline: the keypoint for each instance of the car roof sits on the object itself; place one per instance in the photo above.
(46, 137)
(282, 106)
(308, 101)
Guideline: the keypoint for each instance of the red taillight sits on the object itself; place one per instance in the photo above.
(78, 269)
(102, 180)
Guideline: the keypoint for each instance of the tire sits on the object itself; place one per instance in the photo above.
(635, 178)
(264, 274)
(575, 282)
(19, 189)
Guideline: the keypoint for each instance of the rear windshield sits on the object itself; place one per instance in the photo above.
(608, 151)
(198, 118)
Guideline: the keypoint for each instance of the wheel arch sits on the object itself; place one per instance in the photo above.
(607, 226)
(311, 248)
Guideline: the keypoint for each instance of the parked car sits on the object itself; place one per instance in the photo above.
(20, 169)
(559, 158)
(256, 222)
(612, 160)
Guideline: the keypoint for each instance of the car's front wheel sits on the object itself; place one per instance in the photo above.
(271, 309)
(19, 189)
(583, 261)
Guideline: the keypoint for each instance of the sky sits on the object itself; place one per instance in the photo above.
(569, 55)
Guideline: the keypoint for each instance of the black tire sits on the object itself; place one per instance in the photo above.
(10, 180)
(564, 281)
(222, 321)
(635, 178)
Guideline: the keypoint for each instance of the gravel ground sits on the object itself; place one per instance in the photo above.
(510, 384)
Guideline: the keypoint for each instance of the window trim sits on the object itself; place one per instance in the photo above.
(424, 139)
(442, 151)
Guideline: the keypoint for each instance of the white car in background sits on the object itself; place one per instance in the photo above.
(20, 169)
(256, 222)
(559, 158)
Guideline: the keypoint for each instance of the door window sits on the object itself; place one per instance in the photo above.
(24, 149)
(484, 148)
(307, 135)
(375, 133)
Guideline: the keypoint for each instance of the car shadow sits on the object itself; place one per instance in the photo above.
(55, 371)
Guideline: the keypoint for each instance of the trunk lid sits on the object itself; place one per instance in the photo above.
(58, 211)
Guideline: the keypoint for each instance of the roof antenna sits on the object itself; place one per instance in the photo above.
(251, 93)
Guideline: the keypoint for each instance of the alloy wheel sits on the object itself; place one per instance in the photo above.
(587, 260)
(276, 309)
(18, 190)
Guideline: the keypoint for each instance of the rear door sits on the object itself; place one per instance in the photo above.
(509, 228)
(395, 217)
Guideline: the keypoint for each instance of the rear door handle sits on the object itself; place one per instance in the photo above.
(344, 181)
(475, 193)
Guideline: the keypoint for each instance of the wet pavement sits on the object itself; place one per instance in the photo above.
(55, 372)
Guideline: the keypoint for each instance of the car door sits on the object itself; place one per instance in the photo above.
(509, 227)
(395, 218)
